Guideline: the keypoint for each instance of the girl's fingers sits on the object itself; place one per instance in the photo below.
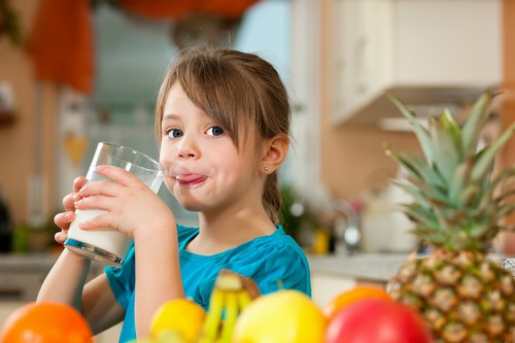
(105, 188)
(100, 222)
(63, 220)
(60, 237)
(69, 200)
(117, 174)
(78, 183)
(99, 202)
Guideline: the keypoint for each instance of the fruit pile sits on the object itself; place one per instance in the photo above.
(238, 314)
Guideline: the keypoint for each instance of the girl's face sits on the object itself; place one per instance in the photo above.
(205, 170)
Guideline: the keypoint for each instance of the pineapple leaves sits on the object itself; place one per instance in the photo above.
(485, 159)
(422, 134)
(417, 194)
(471, 131)
(446, 141)
(419, 215)
(457, 205)
(418, 169)
(459, 180)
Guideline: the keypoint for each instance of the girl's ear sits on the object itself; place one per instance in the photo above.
(274, 153)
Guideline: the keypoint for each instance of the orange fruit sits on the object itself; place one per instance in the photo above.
(181, 315)
(46, 322)
(346, 298)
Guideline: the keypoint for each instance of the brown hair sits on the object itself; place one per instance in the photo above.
(238, 90)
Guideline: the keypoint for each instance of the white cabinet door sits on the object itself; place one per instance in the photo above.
(380, 45)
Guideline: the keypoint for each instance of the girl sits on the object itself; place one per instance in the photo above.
(222, 122)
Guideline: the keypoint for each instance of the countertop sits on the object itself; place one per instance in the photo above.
(367, 266)
(362, 266)
(21, 263)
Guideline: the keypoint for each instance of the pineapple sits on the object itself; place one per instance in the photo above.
(463, 295)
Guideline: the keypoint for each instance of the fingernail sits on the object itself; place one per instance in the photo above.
(68, 215)
(76, 203)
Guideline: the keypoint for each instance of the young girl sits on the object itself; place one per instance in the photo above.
(222, 121)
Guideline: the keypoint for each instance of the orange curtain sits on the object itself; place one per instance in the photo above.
(61, 43)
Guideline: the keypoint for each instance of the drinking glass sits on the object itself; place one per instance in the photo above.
(109, 246)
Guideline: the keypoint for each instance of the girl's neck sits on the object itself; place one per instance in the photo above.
(225, 230)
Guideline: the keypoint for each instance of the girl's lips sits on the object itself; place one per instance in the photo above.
(190, 179)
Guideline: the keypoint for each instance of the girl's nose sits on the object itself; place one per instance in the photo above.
(188, 148)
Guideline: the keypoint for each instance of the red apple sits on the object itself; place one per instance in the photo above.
(377, 321)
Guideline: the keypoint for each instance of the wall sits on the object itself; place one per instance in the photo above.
(17, 141)
(508, 108)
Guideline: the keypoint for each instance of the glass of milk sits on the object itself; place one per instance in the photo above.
(110, 247)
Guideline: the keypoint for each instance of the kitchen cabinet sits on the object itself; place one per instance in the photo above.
(428, 52)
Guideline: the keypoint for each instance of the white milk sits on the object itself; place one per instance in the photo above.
(111, 241)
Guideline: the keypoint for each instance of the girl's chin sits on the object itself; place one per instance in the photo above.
(189, 205)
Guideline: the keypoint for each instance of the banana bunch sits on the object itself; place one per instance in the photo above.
(231, 294)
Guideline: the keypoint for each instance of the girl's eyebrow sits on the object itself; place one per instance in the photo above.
(170, 116)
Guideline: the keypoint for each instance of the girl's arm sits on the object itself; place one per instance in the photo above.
(66, 284)
(135, 210)
(158, 277)
(65, 281)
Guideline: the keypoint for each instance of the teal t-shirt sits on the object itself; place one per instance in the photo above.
(266, 260)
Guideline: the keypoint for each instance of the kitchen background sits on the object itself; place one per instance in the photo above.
(337, 57)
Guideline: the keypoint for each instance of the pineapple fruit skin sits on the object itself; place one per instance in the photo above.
(462, 296)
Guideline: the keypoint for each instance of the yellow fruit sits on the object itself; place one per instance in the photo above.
(286, 316)
(171, 336)
(182, 315)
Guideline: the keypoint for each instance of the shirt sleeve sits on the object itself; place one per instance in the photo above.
(274, 266)
(122, 280)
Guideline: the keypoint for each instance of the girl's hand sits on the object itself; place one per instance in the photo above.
(64, 219)
(131, 206)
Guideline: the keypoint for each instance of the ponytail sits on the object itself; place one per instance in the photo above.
(272, 197)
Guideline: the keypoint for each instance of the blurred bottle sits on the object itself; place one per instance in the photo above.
(5, 225)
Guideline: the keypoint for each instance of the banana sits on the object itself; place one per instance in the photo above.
(214, 315)
(231, 294)
(232, 311)
(243, 299)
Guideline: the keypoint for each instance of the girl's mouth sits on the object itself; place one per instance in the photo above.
(190, 179)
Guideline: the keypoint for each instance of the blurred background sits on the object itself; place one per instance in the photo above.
(73, 74)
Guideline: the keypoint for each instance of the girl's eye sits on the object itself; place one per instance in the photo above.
(215, 131)
(174, 133)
